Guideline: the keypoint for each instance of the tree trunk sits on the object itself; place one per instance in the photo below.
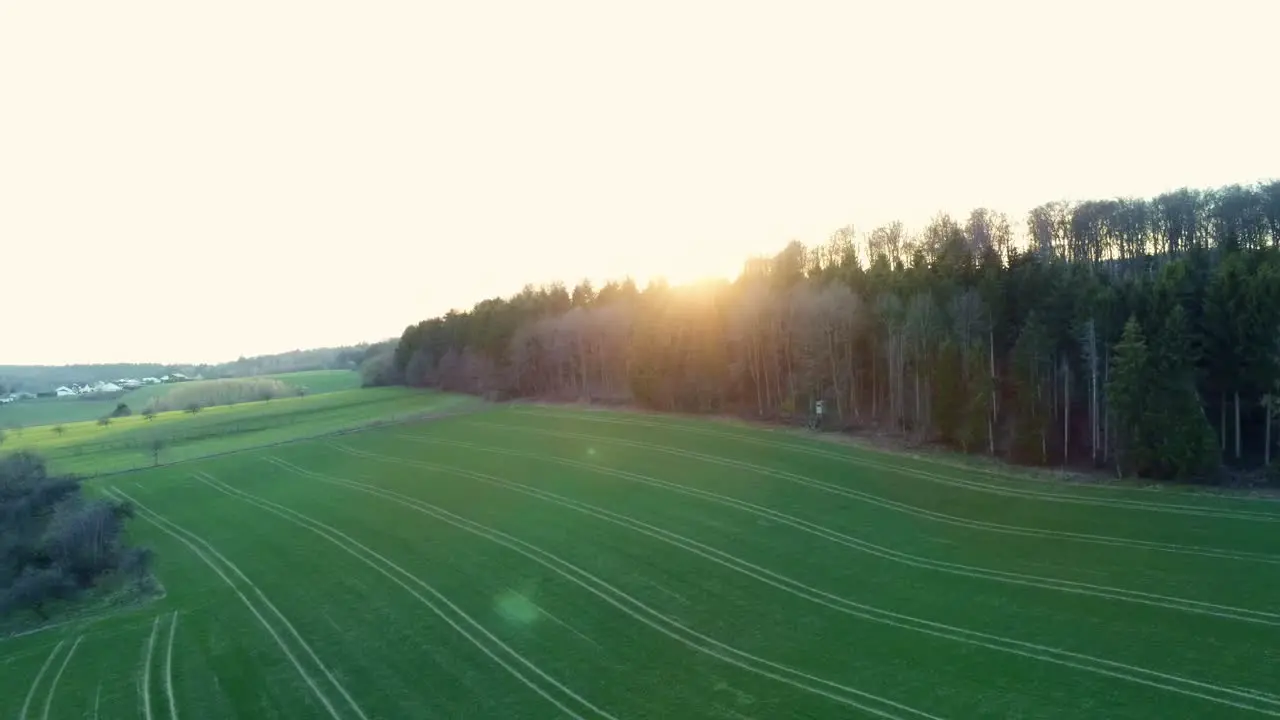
(1266, 453)
(1237, 425)
(1106, 411)
(835, 377)
(1222, 419)
(1066, 412)
(916, 419)
(991, 416)
(875, 418)
(1093, 391)
(853, 380)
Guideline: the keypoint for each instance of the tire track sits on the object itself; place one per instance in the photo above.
(145, 690)
(1243, 699)
(1049, 583)
(347, 543)
(174, 530)
(1260, 516)
(168, 669)
(848, 696)
(912, 509)
(53, 686)
(31, 693)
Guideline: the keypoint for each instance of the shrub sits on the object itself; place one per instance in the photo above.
(54, 544)
(121, 410)
(208, 393)
(380, 369)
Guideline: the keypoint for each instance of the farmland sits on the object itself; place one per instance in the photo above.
(51, 411)
(532, 563)
(129, 443)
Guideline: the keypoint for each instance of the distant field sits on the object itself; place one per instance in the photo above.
(128, 443)
(534, 563)
(321, 381)
(51, 411)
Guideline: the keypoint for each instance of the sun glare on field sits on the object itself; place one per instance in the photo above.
(516, 608)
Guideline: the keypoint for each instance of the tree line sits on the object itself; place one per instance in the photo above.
(1141, 335)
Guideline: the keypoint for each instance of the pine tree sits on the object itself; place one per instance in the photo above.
(1031, 406)
(1128, 392)
(1177, 430)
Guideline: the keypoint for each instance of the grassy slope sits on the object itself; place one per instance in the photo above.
(615, 610)
(321, 381)
(52, 411)
(127, 443)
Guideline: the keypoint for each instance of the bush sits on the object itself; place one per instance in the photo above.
(208, 393)
(380, 369)
(104, 421)
(121, 410)
(55, 545)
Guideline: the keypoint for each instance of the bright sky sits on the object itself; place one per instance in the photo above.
(195, 181)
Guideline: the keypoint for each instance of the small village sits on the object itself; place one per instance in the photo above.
(96, 389)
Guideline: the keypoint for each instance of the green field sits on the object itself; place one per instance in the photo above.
(51, 411)
(128, 443)
(321, 381)
(539, 563)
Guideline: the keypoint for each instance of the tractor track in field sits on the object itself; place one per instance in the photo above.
(905, 508)
(829, 534)
(1252, 700)
(168, 669)
(53, 686)
(851, 697)
(144, 690)
(349, 544)
(35, 684)
(191, 540)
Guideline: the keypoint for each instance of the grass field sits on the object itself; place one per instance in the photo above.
(539, 563)
(321, 381)
(127, 443)
(52, 411)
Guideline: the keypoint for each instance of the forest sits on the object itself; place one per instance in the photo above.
(1139, 336)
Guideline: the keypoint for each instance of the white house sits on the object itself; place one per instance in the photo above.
(109, 388)
(150, 381)
(65, 391)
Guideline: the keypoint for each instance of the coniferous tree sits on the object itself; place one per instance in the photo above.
(1179, 437)
(1129, 395)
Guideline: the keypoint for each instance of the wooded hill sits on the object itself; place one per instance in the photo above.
(1140, 335)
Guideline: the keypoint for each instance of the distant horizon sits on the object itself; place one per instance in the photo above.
(1017, 222)
(344, 173)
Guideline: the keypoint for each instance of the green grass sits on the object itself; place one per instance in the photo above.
(530, 563)
(321, 381)
(127, 443)
(53, 411)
